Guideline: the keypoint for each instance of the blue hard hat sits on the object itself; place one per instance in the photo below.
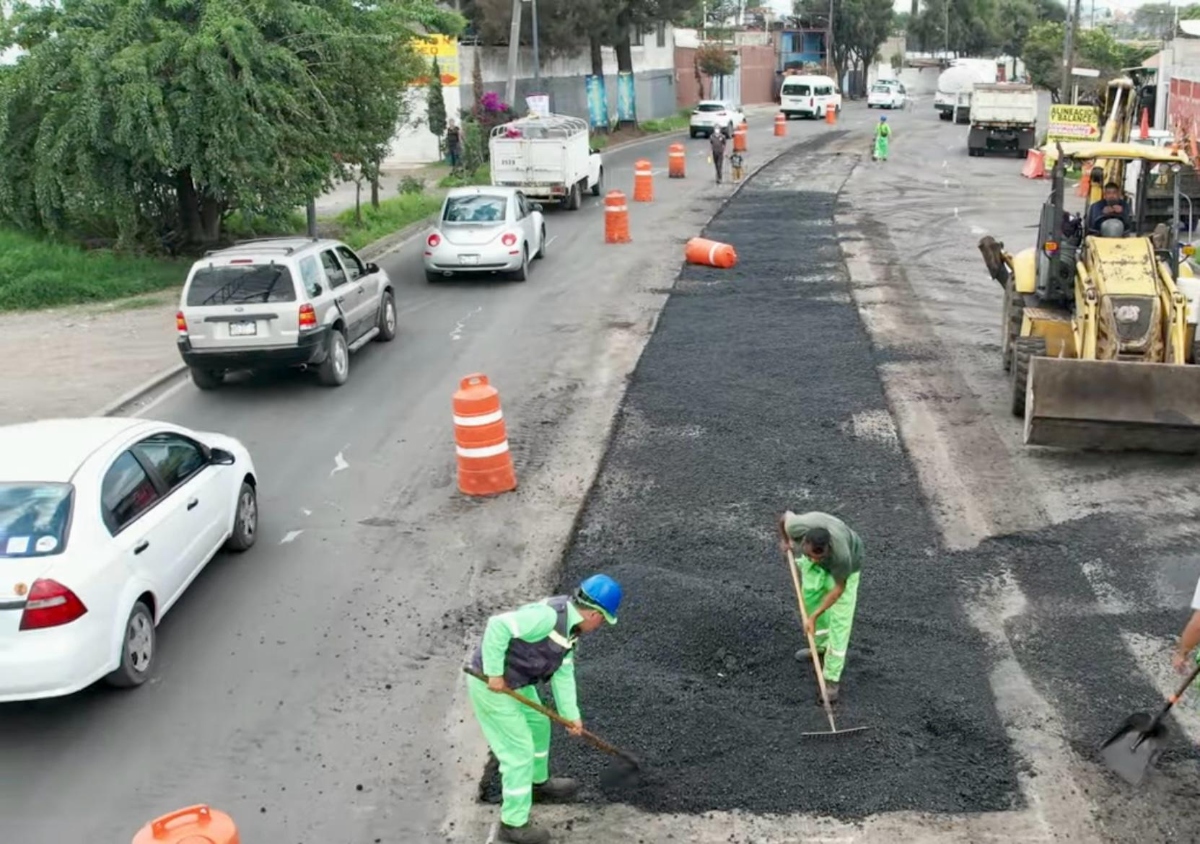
(602, 593)
(883, 118)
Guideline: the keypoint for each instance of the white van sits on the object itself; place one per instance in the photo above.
(809, 96)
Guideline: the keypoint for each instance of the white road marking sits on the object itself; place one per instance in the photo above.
(339, 463)
(945, 164)
(946, 184)
(290, 536)
(306, 511)
(456, 334)
(976, 230)
(956, 213)
(163, 397)
(550, 242)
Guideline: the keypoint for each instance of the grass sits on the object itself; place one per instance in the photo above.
(392, 215)
(482, 176)
(39, 273)
(674, 123)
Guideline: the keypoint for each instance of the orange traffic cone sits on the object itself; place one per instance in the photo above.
(710, 253)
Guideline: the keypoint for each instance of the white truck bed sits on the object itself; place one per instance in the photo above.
(550, 158)
(1004, 103)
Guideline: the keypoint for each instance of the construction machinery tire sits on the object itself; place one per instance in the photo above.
(1014, 315)
(1025, 349)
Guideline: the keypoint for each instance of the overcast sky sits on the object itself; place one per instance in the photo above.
(784, 7)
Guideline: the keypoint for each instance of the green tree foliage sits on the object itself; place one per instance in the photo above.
(715, 60)
(436, 101)
(859, 29)
(160, 119)
(978, 27)
(1095, 48)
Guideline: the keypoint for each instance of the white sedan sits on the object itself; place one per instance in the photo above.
(485, 230)
(104, 522)
(888, 94)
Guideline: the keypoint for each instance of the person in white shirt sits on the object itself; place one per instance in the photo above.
(1189, 638)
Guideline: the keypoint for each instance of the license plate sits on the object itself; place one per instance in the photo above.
(468, 259)
(243, 329)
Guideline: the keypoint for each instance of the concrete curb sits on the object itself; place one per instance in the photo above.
(146, 387)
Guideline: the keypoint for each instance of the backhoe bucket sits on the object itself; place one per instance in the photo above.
(1113, 405)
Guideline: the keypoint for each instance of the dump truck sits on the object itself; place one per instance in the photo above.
(1099, 330)
(1003, 117)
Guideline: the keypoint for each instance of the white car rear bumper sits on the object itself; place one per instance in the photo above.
(472, 259)
(58, 661)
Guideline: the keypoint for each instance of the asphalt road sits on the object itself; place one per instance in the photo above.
(306, 687)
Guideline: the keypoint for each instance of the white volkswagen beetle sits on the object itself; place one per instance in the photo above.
(485, 230)
(104, 522)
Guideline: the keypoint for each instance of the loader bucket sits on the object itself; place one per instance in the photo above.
(1113, 405)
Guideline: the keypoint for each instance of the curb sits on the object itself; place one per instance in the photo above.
(148, 386)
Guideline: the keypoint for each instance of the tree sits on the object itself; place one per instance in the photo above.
(165, 118)
(436, 101)
(714, 61)
(859, 28)
(1095, 48)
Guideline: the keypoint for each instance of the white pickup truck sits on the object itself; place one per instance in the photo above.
(548, 158)
(1003, 117)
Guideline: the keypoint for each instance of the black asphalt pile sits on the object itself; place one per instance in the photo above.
(741, 407)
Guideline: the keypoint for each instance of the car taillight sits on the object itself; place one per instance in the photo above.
(50, 604)
(509, 239)
(181, 324)
(433, 240)
(308, 316)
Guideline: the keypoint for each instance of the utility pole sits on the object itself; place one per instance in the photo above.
(946, 33)
(537, 59)
(829, 47)
(1069, 53)
(514, 46)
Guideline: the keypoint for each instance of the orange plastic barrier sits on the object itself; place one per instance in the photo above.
(830, 116)
(485, 465)
(616, 218)
(193, 825)
(1145, 124)
(780, 126)
(739, 137)
(710, 253)
(677, 155)
(643, 181)
(1085, 183)
(1035, 165)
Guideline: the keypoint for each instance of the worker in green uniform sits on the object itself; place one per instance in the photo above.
(530, 645)
(883, 137)
(830, 561)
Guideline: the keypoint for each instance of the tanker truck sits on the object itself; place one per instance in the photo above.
(956, 83)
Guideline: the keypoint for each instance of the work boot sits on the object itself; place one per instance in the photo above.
(555, 788)
(831, 691)
(802, 656)
(527, 834)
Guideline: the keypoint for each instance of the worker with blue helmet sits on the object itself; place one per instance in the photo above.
(883, 136)
(521, 648)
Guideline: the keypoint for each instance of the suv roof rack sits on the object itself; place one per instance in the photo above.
(266, 240)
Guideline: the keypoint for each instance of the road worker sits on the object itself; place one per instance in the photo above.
(830, 560)
(883, 137)
(1189, 639)
(530, 645)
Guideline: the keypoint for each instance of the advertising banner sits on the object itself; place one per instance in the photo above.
(597, 100)
(1073, 123)
(626, 97)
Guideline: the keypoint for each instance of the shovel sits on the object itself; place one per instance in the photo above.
(625, 770)
(812, 650)
(1137, 743)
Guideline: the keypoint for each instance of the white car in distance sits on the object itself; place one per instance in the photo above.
(104, 522)
(887, 94)
(714, 115)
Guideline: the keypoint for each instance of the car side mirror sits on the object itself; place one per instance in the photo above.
(372, 268)
(220, 457)
(537, 206)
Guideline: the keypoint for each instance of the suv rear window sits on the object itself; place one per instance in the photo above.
(241, 284)
(475, 209)
(797, 90)
(34, 518)
(710, 107)
(880, 89)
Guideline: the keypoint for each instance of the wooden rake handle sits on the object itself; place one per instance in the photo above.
(592, 738)
(812, 645)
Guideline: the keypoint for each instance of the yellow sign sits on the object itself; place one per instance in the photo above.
(1073, 123)
(444, 48)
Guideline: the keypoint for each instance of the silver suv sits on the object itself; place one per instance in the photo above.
(282, 302)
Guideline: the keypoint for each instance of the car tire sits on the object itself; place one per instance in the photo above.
(206, 379)
(575, 200)
(598, 188)
(432, 277)
(245, 520)
(334, 371)
(523, 273)
(693, 133)
(541, 253)
(138, 641)
(387, 318)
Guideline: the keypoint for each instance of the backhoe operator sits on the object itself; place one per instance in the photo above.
(1110, 210)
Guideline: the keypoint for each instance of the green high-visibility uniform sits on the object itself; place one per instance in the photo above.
(883, 135)
(518, 736)
(842, 564)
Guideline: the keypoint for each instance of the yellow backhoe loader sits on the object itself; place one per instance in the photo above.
(1099, 326)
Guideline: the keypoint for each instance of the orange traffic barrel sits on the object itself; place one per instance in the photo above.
(780, 125)
(710, 253)
(485, 465)
(643, 181)
(192, 825)
(739, 137)
(830, 115)
(616, 218)
(677, 155)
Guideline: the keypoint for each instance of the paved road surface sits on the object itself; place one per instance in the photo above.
(305, 687)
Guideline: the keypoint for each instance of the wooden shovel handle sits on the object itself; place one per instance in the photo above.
(812, 645)
(595, 740)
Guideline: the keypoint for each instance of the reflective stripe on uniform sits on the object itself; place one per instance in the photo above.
(518, 792)
(560, 640)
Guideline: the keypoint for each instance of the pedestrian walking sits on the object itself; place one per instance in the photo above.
(454, 144)
(1189, 638)
(883, 134)
(523, 647)
(717, 140)
(830, 561)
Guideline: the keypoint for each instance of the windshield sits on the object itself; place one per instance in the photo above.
(33, 518)
(241, 285)
(796, 90)
(710, 107)
(480, 208)
(880, 89)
